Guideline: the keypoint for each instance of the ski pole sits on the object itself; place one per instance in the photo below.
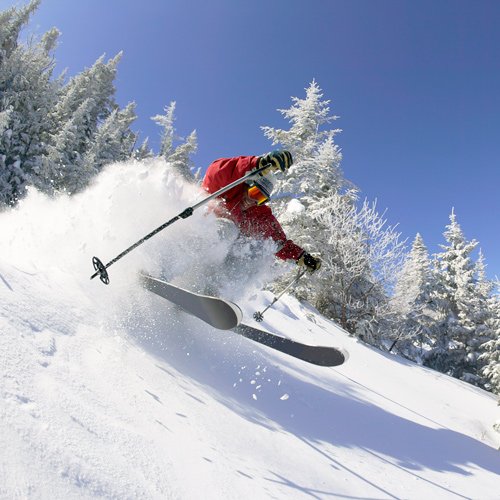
(101, 269)
(259, 316)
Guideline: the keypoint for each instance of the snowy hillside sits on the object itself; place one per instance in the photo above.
(110, 392)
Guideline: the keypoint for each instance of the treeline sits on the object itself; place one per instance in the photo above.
(440, 310)
(57, 134)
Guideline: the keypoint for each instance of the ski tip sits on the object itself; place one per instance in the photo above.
(345, 353)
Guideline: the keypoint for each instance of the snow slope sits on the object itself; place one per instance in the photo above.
(111, 392)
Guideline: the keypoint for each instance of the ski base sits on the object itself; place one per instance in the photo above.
(219, 313)
(318, 355)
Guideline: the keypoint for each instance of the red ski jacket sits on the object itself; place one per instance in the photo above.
(258, 221)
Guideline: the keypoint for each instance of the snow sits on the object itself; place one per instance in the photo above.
(111, 392)
(295, 206)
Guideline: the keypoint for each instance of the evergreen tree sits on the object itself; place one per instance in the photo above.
(489, 315)
(460, 329)
(113, 142)
(412, 303)
(27, 94)
(83, 123)
(484, 290)
(412, 288)
(314, 175)
(179, 156)
(181, 161)
(54, 136)
(73, 160)
(491, 355)
(318, 210)
(96, 83)
(62, 165)
(144, 152)
(12, 21)
(316, 170)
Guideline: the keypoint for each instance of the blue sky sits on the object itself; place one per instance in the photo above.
(416, 85)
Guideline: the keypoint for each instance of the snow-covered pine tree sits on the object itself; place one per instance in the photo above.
(316, 170)
(315, 173)
(318, 210)
(178, 156)
(62, 163)
(485, 311)
(69, 170)
(459, 335)
(85, 103)
(143, 152)
(488, 315)
(96, 83)
(51, 132)
(112, 142)
(412, 303)
(412, 288)
(491, 349)
(27, 95)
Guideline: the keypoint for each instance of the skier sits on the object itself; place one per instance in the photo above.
(245, 205)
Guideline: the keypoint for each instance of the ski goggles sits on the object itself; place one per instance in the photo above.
(257, 195)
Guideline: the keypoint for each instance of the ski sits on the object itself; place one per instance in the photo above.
(226, 315)
(318, 355)
(219, 313)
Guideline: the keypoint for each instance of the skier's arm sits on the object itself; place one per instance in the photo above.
(258, 222)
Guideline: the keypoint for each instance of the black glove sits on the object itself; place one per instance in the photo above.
(278, 160)
(312, 263)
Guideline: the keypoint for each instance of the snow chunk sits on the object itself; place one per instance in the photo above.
(295, 207)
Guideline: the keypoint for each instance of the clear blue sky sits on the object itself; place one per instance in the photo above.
(416, 84)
